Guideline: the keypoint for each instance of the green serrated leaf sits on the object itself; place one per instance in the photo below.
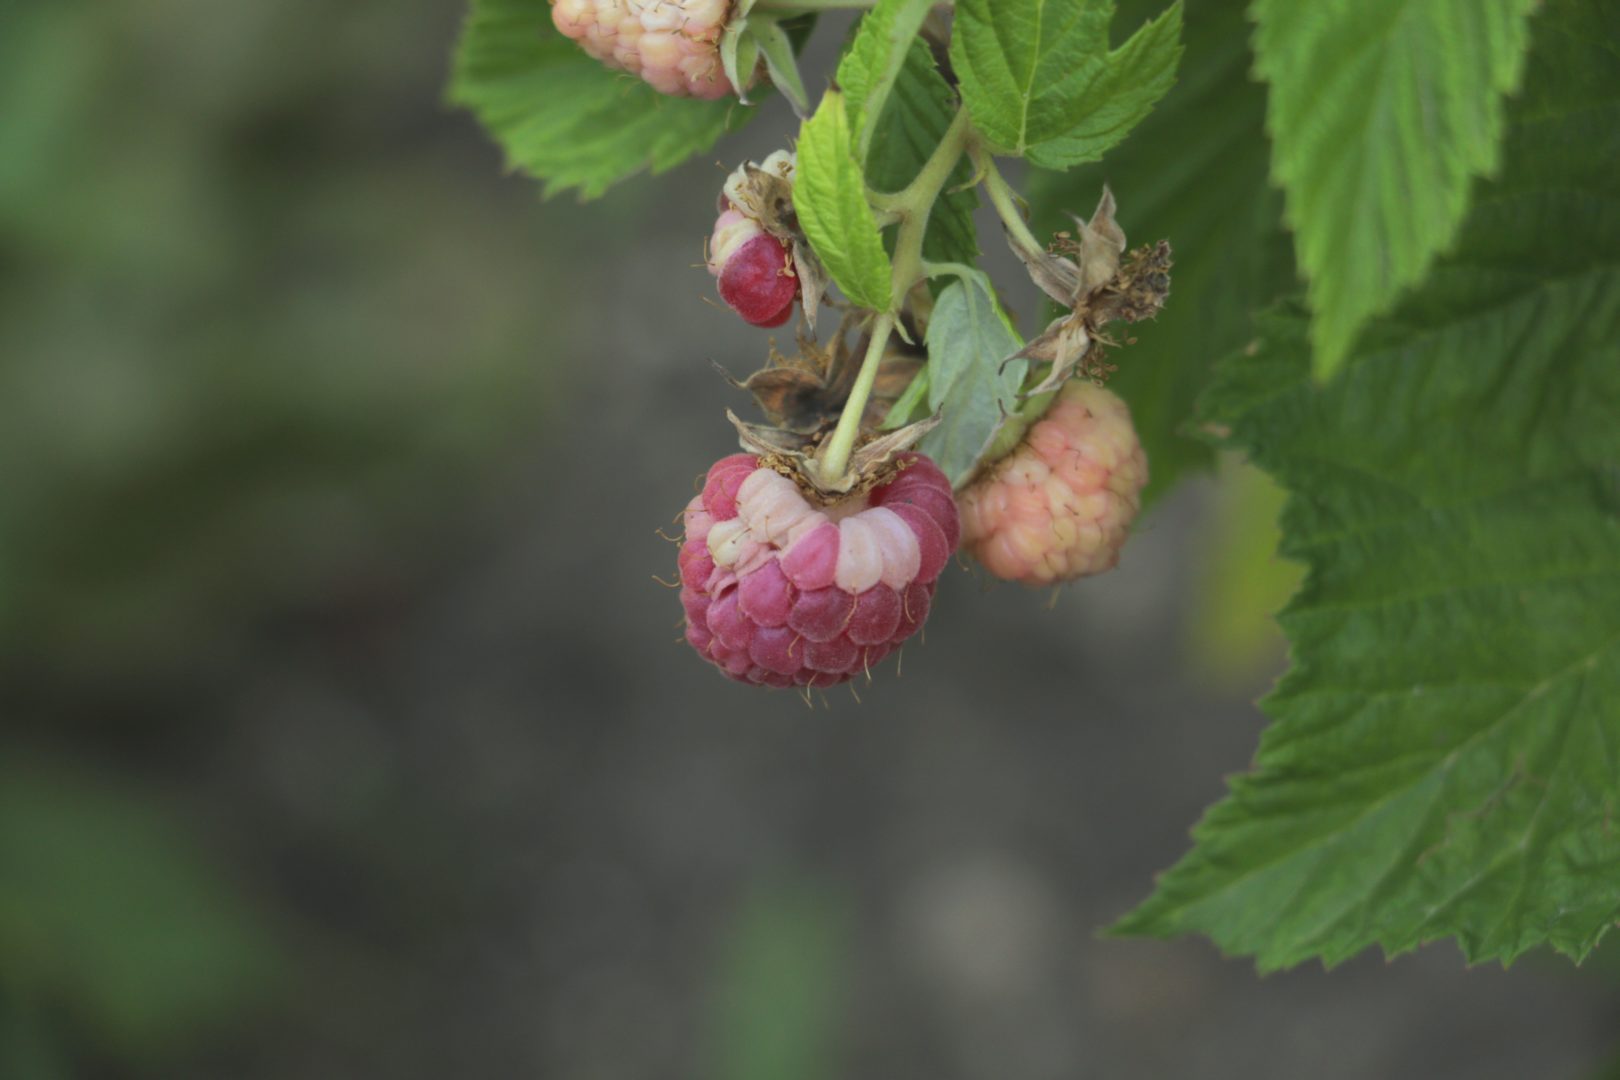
(561, 116)
(918, 112)
(1445, 753)
(1381, 113)
(883, 40)
(968, 388)
(1195, 173)
(1138, 74)
(829, 196)
(1040, 81)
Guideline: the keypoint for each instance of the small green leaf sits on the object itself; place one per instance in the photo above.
(970, 390)
(777, 48)
(919, 111)
(564, 118)
(829, 195)
(1445, 753)
(1040, 81)
(873, 60)
(739, 48)
(1194, 173)
(1381, 113)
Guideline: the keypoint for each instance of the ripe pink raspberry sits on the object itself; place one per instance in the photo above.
(780, 593)
(756, 274)
(674, 45)
(1059, 506)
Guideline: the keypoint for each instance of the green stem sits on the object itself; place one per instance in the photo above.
(913, 204)
(1003, 199)
(842, 443)
(954, 269)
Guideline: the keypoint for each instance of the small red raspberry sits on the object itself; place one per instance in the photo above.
(780, 593)
(756, 275)
(748, 252)
(674, 45)
(1060, 505)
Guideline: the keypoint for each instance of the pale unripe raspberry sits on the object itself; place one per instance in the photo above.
(1060, 505)
(674, 45)
(780, 592)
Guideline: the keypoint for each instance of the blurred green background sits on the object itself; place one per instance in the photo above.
(342, 731)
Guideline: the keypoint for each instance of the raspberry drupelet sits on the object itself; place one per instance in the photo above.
(673, 45)
(1060, 505)
(780, 592)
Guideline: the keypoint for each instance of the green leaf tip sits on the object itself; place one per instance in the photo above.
(1382, 114)
(1041, 82)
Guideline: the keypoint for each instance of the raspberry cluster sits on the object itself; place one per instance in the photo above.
(674, 45)
(1060, 506)
(779, 592)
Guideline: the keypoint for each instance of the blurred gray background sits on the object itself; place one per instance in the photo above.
(344, 731)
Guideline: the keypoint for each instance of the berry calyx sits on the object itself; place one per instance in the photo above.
(673, 45)
(1059, 506)
(780, 591)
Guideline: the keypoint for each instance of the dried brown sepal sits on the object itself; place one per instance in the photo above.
(812, 279)
(1063, 344)
(872, 456)
(1103, 285)
(871, 465)
(1139, 290)
(765, 193)
(1094, 261)
(798, 393)
(764, 440)
(805, 393)
(1055, 275)
(1099, 247)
